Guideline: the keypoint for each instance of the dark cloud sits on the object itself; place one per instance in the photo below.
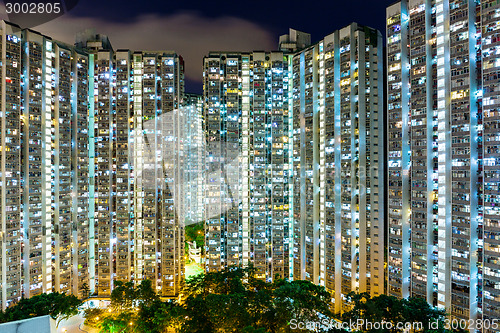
(190, 34)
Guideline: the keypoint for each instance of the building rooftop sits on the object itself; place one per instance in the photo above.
(43, 324)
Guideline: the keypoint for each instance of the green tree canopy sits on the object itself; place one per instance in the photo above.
(58, 306)
(233, 300)
(125, 296)
(394, 310)
(195, 233)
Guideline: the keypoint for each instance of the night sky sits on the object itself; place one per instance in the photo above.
(194, 28)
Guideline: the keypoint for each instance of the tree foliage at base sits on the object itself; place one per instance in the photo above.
(133, 309)
(234, 300)
(58, 306)
(384, 308)
(195, 233)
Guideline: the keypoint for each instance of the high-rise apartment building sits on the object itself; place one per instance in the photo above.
(10, 205)
(70, 170)
(44, 169)
(193, 166)
(337, 136)
(246, 130)
(138, 147)
(295, 148)
(158, 193)
(443, 59)
(92, 165)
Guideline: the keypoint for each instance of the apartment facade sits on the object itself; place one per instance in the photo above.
(337, 166)
(304, 198)
(194, 166)
(159, 246)
(93, 149)
(138, 150)
(443, 130)
(246, 131)
(44, 229)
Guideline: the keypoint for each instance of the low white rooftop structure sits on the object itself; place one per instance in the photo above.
(42, 324)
